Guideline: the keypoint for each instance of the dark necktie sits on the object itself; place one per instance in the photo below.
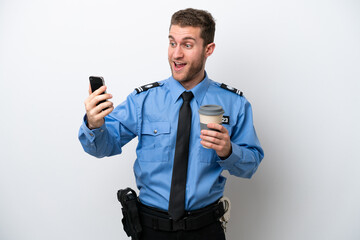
(178, 182)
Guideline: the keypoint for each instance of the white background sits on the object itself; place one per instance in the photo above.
(298, 62)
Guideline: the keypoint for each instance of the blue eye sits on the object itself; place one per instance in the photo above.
(172, 44)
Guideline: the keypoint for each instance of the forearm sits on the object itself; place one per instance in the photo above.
(98, 142)
(243, 161)
(120, 127)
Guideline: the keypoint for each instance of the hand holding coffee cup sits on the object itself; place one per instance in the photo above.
(213, 134)
(210, 114)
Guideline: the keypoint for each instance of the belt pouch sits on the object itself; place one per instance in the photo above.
(131, 220)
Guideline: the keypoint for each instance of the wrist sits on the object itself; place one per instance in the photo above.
(93, 126)
(226, 155)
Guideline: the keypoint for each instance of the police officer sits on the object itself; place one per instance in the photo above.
(155, 113)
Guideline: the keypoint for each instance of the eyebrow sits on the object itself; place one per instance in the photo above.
(185, 38)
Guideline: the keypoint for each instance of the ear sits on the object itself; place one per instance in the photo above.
(209, 49)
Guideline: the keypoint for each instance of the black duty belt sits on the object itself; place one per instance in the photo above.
(160, 220)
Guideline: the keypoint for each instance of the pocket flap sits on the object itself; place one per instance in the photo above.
(155, 128)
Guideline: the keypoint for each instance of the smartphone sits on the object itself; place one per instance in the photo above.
(96, 83)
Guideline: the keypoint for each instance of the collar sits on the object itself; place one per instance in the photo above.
(176, 89)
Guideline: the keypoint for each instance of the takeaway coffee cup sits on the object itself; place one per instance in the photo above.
(210, 114)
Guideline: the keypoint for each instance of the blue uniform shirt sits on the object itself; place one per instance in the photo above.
(152, 116)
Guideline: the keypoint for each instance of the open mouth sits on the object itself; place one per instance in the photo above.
(178, 66)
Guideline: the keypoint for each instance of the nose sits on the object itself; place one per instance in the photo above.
(178, 52)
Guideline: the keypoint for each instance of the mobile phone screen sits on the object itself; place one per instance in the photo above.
(96, 83)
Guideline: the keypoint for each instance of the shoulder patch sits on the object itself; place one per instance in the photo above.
(231, 89)
(147, 87)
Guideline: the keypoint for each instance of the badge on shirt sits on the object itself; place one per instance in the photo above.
(225, 120)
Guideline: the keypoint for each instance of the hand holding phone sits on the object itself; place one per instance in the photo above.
(96, 83)
(97, 105)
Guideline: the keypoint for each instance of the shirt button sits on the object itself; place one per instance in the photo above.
(155, 131)
(91, 134)
(102, 130)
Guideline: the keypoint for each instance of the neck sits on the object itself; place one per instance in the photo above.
(190, 84)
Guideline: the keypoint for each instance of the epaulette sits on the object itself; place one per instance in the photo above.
(231, 89)
(147, 87)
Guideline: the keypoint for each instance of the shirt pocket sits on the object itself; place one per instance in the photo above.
(207, 155)
(154, 142)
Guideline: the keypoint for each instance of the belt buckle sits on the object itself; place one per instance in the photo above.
(179, 225)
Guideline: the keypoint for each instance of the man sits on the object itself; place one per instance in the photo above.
(164, 116)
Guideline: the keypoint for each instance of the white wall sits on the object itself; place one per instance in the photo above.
(298, 62)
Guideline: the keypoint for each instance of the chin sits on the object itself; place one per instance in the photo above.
(179, 77)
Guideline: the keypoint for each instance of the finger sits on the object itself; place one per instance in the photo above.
(98, 91)
(210, 145)
(106, 112)
(89, 101)
(90, 89)
(221, 149)
(212, 133)
(102, 106)
(209, 139)
(97, 114)
(102, 97)
(205, 144)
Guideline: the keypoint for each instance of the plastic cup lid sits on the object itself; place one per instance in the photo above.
(211, 110)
